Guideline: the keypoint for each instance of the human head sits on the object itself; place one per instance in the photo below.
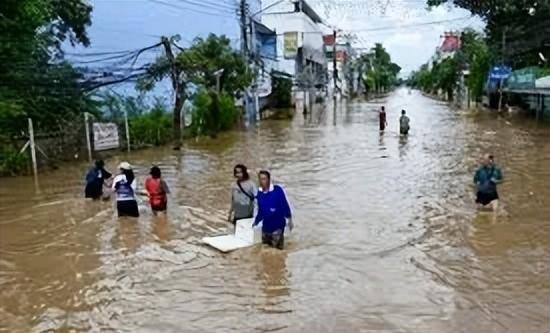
(155, 172)
(240, 172)
(487, 159)
(403, 112)
(99, 164)
(383, 108)
(264, 178)
(125, 166)
(126, 169)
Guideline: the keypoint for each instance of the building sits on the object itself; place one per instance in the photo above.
(343, 52)
(300, 47)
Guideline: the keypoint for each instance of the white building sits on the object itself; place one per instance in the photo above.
(299, 37)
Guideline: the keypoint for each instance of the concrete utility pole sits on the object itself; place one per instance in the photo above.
(502, 64)
(334, 69)
(178, 104)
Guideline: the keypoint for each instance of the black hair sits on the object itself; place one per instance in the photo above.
(129, 175)
(403, 111)
(265, 173)
(99, 164)
(155, 172)
(383, 108)
(244, 169)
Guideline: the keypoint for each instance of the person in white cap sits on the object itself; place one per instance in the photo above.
(124, 185)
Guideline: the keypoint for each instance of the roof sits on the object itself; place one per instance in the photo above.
(262, 29)
(306, 8)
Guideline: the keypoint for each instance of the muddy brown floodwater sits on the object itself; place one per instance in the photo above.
(387, 237)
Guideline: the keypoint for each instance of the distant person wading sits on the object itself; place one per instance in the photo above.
(404, 123)
(486, 179)
(383, 119)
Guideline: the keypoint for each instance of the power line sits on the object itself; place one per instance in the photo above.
(167, 4)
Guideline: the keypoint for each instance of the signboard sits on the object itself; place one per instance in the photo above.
(290, 45)
(500, 73)
(105, 136)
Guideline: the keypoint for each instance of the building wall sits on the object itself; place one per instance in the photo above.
(282, 18)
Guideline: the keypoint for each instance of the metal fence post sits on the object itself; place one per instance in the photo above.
(127, 129)
(87, 128)
(33, 149)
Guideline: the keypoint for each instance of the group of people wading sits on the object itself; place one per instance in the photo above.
(268, 201)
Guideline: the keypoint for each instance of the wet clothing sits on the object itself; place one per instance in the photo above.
(382, 120)
(404, 125)
(486, 179)
(125, 196)
(273, 210)
(158, 190)
(95, 178)
(275, 239)
(242, 199)
(128, 208)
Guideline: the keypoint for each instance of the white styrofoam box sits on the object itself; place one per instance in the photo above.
(245, 231)
(244, 236)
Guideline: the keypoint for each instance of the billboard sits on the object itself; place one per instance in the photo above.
(290, 45)
(105, 136)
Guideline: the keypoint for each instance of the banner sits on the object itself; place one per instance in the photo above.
(290, 45)
(105, 136)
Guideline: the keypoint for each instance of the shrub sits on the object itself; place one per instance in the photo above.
(12, 163)
(213, 113)
(281, 96)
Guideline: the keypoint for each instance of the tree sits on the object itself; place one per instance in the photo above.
(523, 25)
(196, 67)
(379, 73)
(36, 82)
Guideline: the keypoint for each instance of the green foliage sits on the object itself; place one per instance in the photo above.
(149, 125)
(379, 73)
(523, 23)
(197, 66)
(443, 74)
(12, 163)
(36, 82)
(206, 56)
(213, 113)
(152, 127)
(281, 96)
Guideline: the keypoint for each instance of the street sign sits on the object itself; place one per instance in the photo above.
(500, 72)
(105, 136)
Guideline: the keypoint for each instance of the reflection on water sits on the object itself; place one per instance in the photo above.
(387, 240)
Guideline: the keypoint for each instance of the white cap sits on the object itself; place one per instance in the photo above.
(125, 166)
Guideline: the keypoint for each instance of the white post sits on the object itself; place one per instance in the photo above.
(33, 149)
(127, 129)
(87, 128)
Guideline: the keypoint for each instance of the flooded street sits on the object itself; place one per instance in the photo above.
(387, 235)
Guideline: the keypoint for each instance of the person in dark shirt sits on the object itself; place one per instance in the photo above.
(486, 179)
(273, 211)
(383, 120)
(95, 179)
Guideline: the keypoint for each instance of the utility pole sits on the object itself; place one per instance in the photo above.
(178, 104)
(334, 69)
(502, 64)
(244, 34)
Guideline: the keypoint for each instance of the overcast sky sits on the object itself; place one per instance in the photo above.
(132, 24)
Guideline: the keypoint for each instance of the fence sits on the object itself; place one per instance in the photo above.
(73, 139)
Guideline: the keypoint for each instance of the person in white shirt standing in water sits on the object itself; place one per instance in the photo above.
(124, 185)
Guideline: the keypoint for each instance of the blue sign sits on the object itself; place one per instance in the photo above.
(500, 73)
